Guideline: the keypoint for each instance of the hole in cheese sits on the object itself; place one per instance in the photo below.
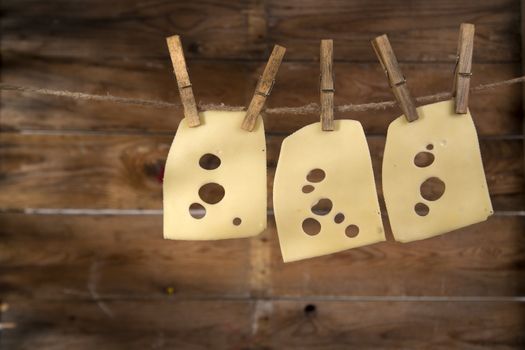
(197, 211)
(237, 221)
(432, 189)
(209, 161)
(430, 147)
(211, 193)
(339, 218)
(322, 207)
(423, 159)
(311, 226)
(352, 231)
(316, 175)
(308, 188)
(421, 209)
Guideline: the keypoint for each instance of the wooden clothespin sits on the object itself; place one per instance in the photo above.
(397, 81)
(463, 70)
(183, 81)
(264, 87)
(327, 85)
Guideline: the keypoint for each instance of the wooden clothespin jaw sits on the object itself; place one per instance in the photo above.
(463, 69)
(183, 81)
(264, 88)
(397, 81)
(327, 85)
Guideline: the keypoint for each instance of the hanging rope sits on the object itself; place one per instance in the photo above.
(305, 109)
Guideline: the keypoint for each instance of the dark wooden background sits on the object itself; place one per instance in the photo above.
(82, 261)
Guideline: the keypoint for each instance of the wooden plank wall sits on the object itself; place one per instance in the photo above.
(82, 259)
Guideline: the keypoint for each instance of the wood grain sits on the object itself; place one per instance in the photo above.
(115, 257)
(419, 31)
(397, 325)
(165, 323)
(93, 31)
(236, 325)
(463, 69)
(225, 29)
(112, 282)
(64, 257)
(395, 76)
(495, 112)
(125, 171)
(183, 81)
(485, 259)
(263, 88)
(326, 85)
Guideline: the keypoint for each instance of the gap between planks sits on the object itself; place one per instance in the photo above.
(146, 212)
(85, 296)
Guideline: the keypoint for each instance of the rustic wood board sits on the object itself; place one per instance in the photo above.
(229, 29)
(495, 112)
(263, 324)
(110, 281)
(61, 257)
(89, 324)
(431, 27)
(479, 260)
(125, 171)
(115, 257)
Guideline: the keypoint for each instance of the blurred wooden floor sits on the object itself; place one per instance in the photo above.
(82, 260)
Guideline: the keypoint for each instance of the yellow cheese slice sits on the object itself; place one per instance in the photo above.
(445, 147)
(205, 162)
(324, 194)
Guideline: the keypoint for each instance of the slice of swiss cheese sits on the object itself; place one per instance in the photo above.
(451, 140)
(348, 183)
(242, 174)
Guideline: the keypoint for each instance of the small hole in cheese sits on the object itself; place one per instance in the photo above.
(432, 189)
(209, 161)
(316, 175)
(421, 209)
(197, 211)
(423, 159)
(322, 207)
(430, 147)
(308, 188)
(211, 193)
(339, 218)
(352, 231)
(237, 221)
(311, 226)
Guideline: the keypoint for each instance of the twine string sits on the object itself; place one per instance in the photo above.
(305, 109)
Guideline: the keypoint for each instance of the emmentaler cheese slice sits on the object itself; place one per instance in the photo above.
(215, 179)
(324, 194)
(433, 178)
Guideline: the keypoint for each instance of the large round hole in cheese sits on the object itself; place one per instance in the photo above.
(424, 159)
(209, 161)
(457, 162)
(211, 193)
(432, 189)
(344, 158)
(241, 172)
